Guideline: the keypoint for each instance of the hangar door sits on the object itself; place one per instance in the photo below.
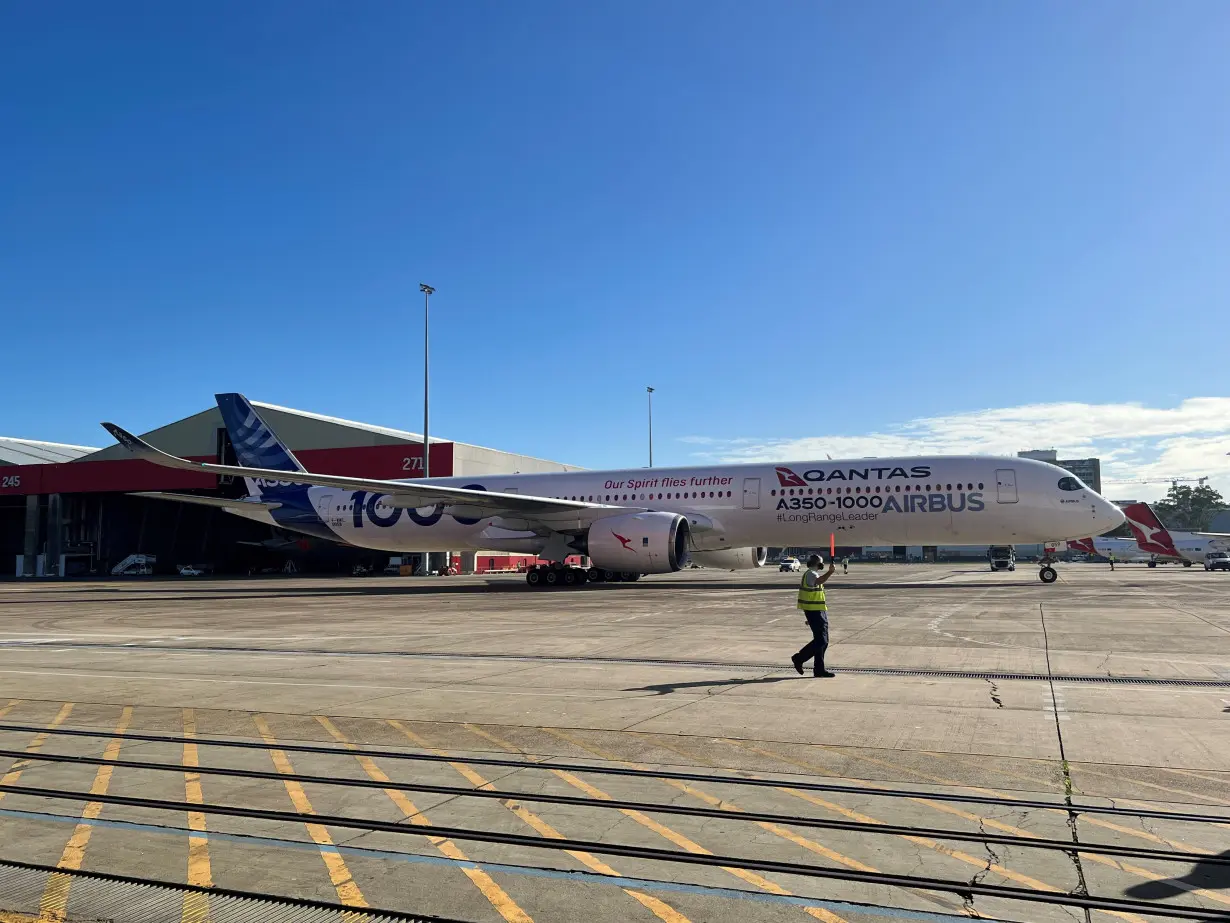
(1005, 485)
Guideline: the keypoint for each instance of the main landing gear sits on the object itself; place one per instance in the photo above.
(558, 575)
(1048, 574)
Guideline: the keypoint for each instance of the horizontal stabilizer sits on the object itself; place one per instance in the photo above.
(224, 503)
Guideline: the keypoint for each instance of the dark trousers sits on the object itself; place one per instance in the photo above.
(818, 622)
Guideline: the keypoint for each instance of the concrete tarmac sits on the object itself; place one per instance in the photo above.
(951, 680)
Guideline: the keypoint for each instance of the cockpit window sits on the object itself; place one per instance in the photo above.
(1070, 484)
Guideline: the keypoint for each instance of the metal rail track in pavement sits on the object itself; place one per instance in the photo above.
(1086, 678)
(124, 897)
(965, 889)
(601, 769)
(999, 839)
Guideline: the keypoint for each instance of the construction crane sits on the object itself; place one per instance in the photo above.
(1173, 482)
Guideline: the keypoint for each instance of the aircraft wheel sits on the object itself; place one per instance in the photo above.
(1187, 563)
(533, 577)
(1048, 574)
(596, 575)
(610, 576)
(551, 577)
(1153, 564)
(629, 577)
(568, 577)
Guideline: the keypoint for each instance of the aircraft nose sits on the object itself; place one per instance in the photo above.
(1107, 515)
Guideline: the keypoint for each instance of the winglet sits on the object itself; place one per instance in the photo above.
(134, 444)
(142, 449)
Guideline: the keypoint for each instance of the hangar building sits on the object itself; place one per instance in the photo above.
(68, 510)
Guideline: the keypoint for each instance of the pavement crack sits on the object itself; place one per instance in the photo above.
(981, 874)
(999, 703)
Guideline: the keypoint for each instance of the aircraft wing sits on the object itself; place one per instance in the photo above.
(559, 515)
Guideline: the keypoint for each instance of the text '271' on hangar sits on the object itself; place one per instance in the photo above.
(68, 510)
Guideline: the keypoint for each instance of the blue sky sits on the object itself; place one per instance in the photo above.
(801, 222)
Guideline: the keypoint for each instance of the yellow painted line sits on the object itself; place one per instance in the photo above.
(674, 836)
(196, 906)
(1090, 819)
(347, 890)
(1183, 772)
(504, 905)
(660, 909)
(54, 903)
(1196, 797)
(991, 822)
(14, 771)
(1095, 821)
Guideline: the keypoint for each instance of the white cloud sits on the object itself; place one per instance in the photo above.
(1135, 443)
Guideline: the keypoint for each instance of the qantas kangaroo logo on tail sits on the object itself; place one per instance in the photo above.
(1151, 535)
(788, 478)
(1083, 544)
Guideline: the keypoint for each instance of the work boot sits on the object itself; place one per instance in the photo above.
(822, 673)
(798, 664)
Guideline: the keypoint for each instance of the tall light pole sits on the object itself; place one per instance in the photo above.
(427, 291)
(649, 393)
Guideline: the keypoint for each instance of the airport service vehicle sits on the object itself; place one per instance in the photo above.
(1002, 557)
(187, 570)
(1188, 547)
(135, 565)
(650, 521)
(789, 566)
(1217, 560)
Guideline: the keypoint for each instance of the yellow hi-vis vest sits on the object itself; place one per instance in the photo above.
(811, 600)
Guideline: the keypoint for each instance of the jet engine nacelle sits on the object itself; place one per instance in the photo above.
(642, 543)
(731, 558)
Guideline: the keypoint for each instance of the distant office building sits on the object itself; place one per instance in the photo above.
(1088, 470)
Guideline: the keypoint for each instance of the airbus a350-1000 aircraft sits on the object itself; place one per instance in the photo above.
(653, 520)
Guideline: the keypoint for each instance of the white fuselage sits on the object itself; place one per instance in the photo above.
(894, 501)
(1124, 549)
(1193, 546)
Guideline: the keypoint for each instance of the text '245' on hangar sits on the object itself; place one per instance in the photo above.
(68, 510)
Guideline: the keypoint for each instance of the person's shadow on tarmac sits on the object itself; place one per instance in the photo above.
(668, 688)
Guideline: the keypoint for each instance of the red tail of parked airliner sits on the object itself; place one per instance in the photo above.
(1151, 535)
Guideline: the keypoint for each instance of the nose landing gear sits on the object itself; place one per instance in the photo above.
(1048, 574)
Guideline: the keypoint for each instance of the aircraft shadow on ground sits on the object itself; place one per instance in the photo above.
(1210, 876)
(668, 688)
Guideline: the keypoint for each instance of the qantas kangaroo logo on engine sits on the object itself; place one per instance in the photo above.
(788, 478)
(626, 542)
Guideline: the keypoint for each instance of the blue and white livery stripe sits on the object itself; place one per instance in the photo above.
(255, 444)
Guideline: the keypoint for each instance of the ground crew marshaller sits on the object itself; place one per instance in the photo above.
(1112, 560)
(815, 610)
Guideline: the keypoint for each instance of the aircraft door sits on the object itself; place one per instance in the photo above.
(1005, 485)
(324, 507)
(751, 493)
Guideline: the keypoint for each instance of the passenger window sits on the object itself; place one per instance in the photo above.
(1069, 484)
(980, 485)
